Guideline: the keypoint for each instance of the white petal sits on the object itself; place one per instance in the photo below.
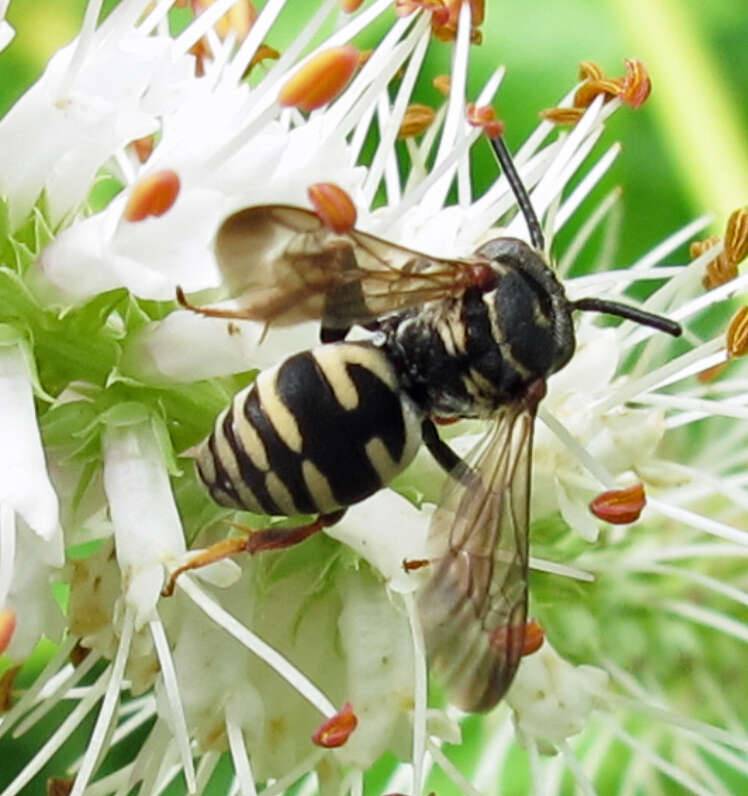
(37, 612)
(386, 530)
(7, 32)
(188, 347)
(378, 653)
(73, 130)
(552, 698)
(147, 528)
(24, 483)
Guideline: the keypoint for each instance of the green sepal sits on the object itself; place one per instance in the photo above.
(90, 468)
(127, 413)
(68, 421)
(12, 336)
(163, 439)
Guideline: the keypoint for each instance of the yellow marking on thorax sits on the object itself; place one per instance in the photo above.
(246, 434)
(318, 486)
(452, 330)
(498, 335)
(333, 361)
(279, 415)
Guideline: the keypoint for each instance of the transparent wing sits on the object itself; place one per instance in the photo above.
(474, 606)
(288, 267)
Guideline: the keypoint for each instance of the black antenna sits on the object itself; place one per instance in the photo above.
(628, 312)
(519, 191)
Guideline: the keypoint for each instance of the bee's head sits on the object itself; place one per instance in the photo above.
(531, 308)
(532, 285)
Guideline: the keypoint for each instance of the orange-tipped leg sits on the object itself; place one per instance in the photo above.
(216, 552)
(253, 542)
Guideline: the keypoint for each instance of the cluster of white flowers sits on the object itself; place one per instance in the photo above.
(258, 654)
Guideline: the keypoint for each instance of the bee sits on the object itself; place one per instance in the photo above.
(475, 337)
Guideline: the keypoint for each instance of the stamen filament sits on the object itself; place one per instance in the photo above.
(171, 685)
(239, 755)
(582, 191)
(24, 703)
(60, 735)
(419, 692)
(272, 657)
(254, 39)
(698, 521)
(203, 23)
(449, 768)
(292, 776)
(61, 691)
(698, 729)
(591, 464)
(708, 618)
(555, 568)
(583, 783)
(669, 769)
(96, 744)
(583, 235)
(385, 150)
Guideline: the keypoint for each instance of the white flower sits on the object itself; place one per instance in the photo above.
(552, 699)
(31, 545)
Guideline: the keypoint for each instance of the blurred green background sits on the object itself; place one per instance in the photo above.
(685, 153)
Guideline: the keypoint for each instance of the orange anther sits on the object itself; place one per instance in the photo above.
(589, 70)
(59, 787)
(7, 626)
(438, 9)
(737, 334)
(636, 85)
(485, 116)
(562, 115)
(143, 147)
(736, 235)
(620, 506)
(335, 731)
(442, 83)
(416, 120)
(411, 564)
(534, 636)
(698, 247)
(321, 80)
(7, 681)
(587, 92)
(264, 52)
(238, 19)
(710, 374)
(349, 6)
(333, 206)
(152, 196)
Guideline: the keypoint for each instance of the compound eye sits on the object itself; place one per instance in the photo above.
(512, 252)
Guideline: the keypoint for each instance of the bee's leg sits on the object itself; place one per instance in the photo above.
(329, 334)
(280, 538)
(445, 457)
(253, 542)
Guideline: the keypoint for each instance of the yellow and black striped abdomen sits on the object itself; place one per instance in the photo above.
(323, 430)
